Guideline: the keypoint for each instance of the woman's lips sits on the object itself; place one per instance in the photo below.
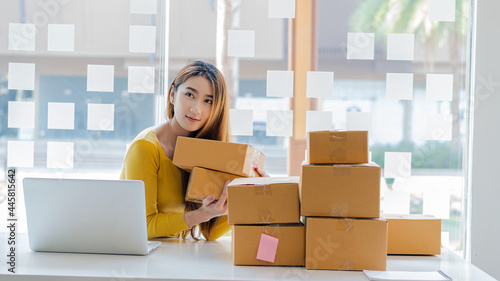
(192, 119)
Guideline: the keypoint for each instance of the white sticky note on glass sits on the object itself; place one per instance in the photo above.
(241, 43)
(319, 84)
(61, 37)
(439, 87)
(142, 39)
(361, 121)
(397, 165)
(241, 122)
(21, 114)
(318, 120)
(442, 10)
(143, 7)
(279, 84)
(100, 78)
(101, 117)
(61, 115)
(399, 86)
(22, 36)
(438, 127)
(437, 204)
(281, 9)
(445, 239)
(20, 154)
(141, 79)
(396, 202)
(360, 46)
(21, 76)
(400, 46)
(279, 123)
(60, 155)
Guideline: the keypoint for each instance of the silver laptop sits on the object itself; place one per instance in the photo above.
(87, 216)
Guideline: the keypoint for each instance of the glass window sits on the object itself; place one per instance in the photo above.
(78, 75)
(400, 71)
(89, 75)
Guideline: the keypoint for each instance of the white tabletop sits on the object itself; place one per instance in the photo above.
(202, 260)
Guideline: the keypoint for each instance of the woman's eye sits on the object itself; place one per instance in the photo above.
(189, 95)
(208, 101)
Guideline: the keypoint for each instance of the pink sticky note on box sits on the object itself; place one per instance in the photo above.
(267, 248)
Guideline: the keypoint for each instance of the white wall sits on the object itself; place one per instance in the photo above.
(485, 207)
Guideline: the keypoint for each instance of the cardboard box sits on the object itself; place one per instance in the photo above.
(413, 235)
(291, 246)
(340, 190)
(337, 147)
(204, 182)
(228, 157)
(263, 200)
(346, 244)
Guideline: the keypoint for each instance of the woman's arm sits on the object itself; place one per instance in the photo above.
(142, 163)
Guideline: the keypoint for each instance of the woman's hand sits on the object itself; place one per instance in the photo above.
(216, 209)
(259, 172)
(209, 209)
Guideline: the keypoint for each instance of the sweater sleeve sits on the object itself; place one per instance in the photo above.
(219, 229)
(142, 163)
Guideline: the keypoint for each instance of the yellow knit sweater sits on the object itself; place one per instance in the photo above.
(146, 161)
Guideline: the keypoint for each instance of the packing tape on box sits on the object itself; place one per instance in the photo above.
(339, 209)
(341, 171)
(338, 155)
(255, 157)
(264, 216)
(338, 136)
(345, 225)
(273, 230)
(263, 189)
(255, 162)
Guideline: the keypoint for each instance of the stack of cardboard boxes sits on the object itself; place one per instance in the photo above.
(265, 215)
(340, 200)
(338, 197)
(211, 163)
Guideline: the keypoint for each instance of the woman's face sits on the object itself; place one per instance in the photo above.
(192, 103)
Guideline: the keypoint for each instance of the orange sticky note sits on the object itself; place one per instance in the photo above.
(267, 248)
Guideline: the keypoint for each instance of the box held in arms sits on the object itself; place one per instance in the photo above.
(339, 190)
(413, 234)
(204, 182)
(346, 244)
(264, 200)
(227, 157)
(337, 147)
(276, 244)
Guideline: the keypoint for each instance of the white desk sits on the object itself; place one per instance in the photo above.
(199, 261)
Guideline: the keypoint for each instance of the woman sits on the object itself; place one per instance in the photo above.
(197, 108)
